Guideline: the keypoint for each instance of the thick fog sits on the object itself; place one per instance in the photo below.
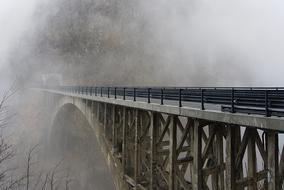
(131, 42)
(228, 40)
(205, 43)
(15, 20)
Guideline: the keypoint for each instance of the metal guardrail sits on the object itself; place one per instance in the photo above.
(261, 101)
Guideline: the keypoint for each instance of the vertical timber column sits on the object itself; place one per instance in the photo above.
(252, 168)
(114, 129)
(213, 149)
(124, 139)
(220, 155)
(230, 159)
(105, 120)
(238, 140)
(98, 112)
(173, 153)
(137, 161)
(153, 162)
(85, 102)
(92, 111)
(196, 143)
(273, 164)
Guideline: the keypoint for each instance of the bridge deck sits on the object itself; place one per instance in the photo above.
(187, 110)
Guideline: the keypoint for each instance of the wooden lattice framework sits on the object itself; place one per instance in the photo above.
(159, 151)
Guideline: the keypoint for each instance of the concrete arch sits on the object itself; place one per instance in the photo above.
(73, 136)
(78, 104)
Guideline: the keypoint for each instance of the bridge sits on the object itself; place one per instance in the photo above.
(183, 138)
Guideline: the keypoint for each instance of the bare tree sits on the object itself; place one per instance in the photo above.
(11, 174)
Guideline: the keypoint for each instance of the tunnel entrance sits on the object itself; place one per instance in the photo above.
(73, 141)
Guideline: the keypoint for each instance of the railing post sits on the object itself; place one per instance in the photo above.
(202, 99)
(115, 93)
(162, 96)
(124, 93)
(108, 92)
(180, 97)
(101, 91)
(134, 94)
(267, 114)
(149, 95)
(233, 100)
(96, 93)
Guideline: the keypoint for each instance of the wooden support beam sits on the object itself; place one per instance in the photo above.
(252, 167)
(92, 111)
(241, 148)
(238, 142)
(213, 148)
(230, 159)
(145, 126)
(273, 153)
(260, 146)
(185, 135)
(114, 129)
(196, 142)
(281, 167)
(184, 131)
(105, 120)
(137, 149)
(219, 153)
(153, 157)
(98, 112)
(165, 129)
(85, 101)
(124, 140)
(173, 153)
(209, 145)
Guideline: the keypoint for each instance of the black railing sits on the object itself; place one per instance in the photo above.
(261, 101)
